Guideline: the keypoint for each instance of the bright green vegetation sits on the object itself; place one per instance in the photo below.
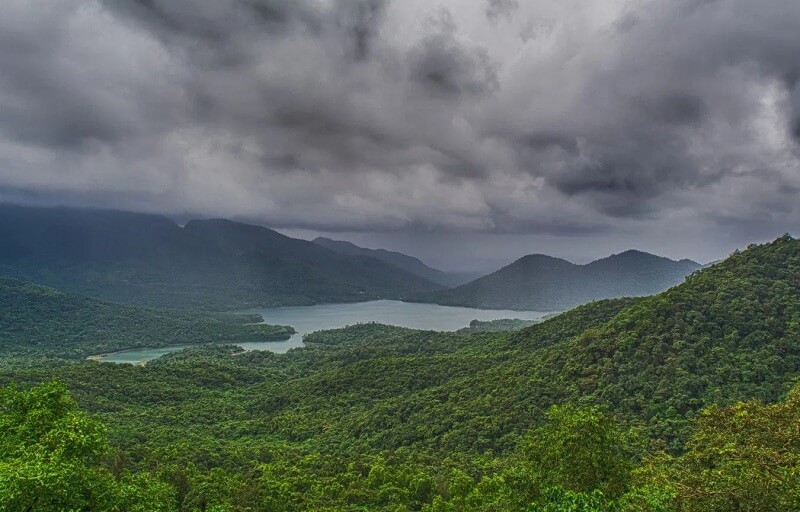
(41, 321)
(54, 457)
(208, 264)
(543, 283)
(678, 402)
(746, 457)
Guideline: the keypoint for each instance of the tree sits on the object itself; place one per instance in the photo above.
(50, 455)
(745, 457)
(580, 449)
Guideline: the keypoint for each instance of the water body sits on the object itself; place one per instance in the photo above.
(307, 319)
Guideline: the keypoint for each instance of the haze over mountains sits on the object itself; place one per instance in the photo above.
(543, 283)
(400, 260)
(214, 264)
(220, 264)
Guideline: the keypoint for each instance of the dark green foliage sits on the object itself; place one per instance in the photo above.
(746, 457)
(607, 407)
(543, 283)
(39, 320)
(580, 450)
(504, 324)
(208, 264)
(730, 333)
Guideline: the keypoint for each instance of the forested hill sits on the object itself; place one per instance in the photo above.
(730, 332)
(543, 283)
(400, 260)
(38, 320)
(215, 264)
(619, 405)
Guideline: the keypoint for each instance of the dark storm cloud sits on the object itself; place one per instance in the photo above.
(499, 8)
(678, 108)
(485, 116)
(446, 67)
(795, 120)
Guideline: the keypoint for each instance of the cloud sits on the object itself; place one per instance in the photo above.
(369, 115)
(496, 9)
(445, 66)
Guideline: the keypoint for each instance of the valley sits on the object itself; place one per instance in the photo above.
(382, 417)
(399, 256)
(309, 319)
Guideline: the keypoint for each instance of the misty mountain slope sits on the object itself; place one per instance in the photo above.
(543, 283)
(400, 260)
(217, 264)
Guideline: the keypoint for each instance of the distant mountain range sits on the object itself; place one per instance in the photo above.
(213, 264)
(544, 283)
(400, 260)
(221, 265)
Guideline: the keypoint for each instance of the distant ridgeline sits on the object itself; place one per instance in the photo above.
(677, 402)
(215, 264)
(400, 260)
(222, 265)
(543, 283)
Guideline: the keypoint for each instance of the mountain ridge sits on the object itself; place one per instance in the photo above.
(150, 260)
(545, 283)
(400, 260)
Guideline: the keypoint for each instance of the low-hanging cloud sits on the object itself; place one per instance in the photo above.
(376, 115)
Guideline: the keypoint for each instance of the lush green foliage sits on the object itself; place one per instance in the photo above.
(730, 333)
(51, 459)
(610, 407)
(745, 457)
(38, 320)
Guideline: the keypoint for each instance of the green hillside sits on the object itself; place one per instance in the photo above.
(39, 320)
(677, 402)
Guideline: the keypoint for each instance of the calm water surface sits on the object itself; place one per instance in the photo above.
(306, 319)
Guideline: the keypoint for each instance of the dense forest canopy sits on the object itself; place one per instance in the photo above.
(39, 320)
(678, 402)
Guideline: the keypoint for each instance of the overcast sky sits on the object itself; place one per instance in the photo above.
(467, 132)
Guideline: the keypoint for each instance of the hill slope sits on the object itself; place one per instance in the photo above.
(543, 283)
(730, 332)
(384, 418)
(41, 320)
(400, 260)
(150, 260)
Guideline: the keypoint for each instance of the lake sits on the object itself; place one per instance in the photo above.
(307, 319)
